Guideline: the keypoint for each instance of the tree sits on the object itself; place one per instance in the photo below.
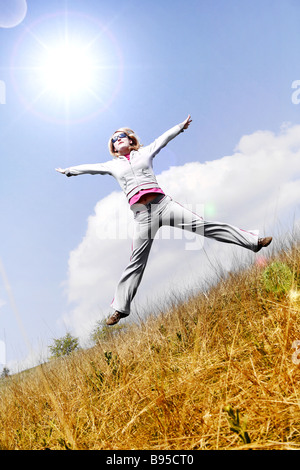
(64, 346)
(5, 373)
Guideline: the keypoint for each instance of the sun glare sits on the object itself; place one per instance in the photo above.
(67, 67)
(67, 70)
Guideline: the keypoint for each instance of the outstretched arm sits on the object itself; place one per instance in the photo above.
(165, 138)
(92, 169)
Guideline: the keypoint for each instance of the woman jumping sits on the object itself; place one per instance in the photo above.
(132, 167)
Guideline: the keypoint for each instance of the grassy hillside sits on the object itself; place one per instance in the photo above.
(218, 372)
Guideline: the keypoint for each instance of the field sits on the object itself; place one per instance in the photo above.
(218, 371)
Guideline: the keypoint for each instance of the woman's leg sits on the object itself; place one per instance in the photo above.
(133, 273)
(185, 219)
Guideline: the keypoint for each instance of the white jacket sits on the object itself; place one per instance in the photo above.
(133, 175)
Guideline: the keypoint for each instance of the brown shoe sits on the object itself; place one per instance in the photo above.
(115, 318)
(263, 242)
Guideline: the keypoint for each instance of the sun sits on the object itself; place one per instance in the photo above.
(67, 69)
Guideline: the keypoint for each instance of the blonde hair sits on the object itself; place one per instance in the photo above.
(132, 136)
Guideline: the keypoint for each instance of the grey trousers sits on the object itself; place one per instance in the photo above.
(147, 220)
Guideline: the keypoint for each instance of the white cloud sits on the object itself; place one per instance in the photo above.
(257, 187)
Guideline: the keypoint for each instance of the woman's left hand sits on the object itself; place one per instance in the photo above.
(187, 122)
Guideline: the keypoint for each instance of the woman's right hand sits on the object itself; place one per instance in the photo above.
(61, 170)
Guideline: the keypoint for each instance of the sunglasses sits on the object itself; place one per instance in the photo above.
(119, 136)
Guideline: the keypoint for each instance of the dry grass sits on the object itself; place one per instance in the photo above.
(164, 384)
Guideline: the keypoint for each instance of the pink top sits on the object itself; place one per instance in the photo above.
(137, 196)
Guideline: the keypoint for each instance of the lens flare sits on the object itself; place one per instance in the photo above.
(210, 209)
(294, 296)
(12, 12)
(67, 67)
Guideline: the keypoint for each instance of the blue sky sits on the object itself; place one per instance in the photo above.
(229, 64)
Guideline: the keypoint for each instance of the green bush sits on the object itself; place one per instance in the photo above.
(278, 278)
